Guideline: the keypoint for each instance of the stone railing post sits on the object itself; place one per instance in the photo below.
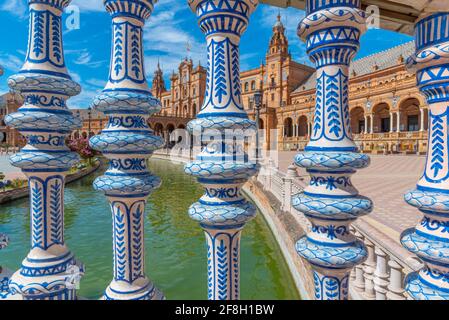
(222, 166)
(395, 288)
(332, 31)
(359, 281)
(127, 141)
(430, 239)
(47, 273)
(271, 171)
(381, 275)
(288, 187)
(368, 271)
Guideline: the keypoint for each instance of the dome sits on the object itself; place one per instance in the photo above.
(278, 23)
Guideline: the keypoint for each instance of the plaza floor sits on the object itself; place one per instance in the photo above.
(385, 181)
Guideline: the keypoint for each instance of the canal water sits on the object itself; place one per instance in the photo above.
(175, 245)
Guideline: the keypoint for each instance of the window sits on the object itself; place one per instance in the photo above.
(412, 123)
(385, 125)
(272, 97)
(361, 126)
(246, 86)
(253, 85)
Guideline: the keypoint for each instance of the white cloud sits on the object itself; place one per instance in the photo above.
(99, 83)
(11, 62)
(18, 8)
(83, 57)
(90, 88)
(166, 40)
(88, 5)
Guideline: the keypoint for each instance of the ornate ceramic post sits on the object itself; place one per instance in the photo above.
(128, 142)
(430, 239)
(4, 274)
(45, 121)
(222, 166)
(331, 30)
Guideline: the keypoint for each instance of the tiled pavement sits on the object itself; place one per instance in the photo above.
(385, 181)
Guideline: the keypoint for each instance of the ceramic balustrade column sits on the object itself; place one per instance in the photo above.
(331, 30)
(421, 118)
(366, 125)
(48, 271)
(222, 166)
(381, 276)
(368, 270)
(395, 288)
(430, 239)
(127, 141)
(5, 274)
(359, 281)
(391, 122)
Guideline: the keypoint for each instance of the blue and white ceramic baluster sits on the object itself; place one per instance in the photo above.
(222, 211)
(44, 119)
(5, 274)
(430, 239)
(128, 142)
(331, 30)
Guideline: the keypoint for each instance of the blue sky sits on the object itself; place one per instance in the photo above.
(167, 33)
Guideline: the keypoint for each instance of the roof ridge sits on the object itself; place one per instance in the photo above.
(383, 51)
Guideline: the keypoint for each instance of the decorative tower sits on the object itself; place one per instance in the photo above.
(430, 239)
(278, 42)
(128, 142)
(331, 31)
(44, 119)
(222, 166)
(158, 86)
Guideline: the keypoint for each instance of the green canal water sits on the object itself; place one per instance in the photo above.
(175, 245)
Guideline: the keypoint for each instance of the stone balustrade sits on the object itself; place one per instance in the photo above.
(381, 276)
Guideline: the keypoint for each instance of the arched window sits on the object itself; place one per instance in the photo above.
(253, 85)
(246, 86)
(288, 127)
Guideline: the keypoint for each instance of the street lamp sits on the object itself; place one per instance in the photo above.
(79, 117)
(257, 103)
(89, 114)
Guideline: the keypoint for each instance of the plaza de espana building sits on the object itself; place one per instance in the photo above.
(388, 114)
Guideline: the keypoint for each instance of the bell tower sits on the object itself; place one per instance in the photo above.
(278, 42)
(158, 86)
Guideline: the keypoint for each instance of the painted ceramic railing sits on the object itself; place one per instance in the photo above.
(127, 141)
(222, 166)
(430, 239)
(49, 270)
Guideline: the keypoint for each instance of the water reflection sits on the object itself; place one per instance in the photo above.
(175, 245)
